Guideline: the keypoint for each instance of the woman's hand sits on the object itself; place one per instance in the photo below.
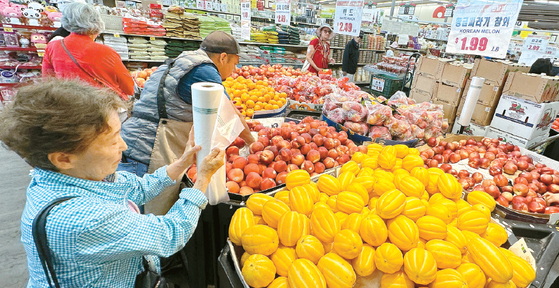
(209, 166)
(332, 61)
(551, 198)
(177, 168)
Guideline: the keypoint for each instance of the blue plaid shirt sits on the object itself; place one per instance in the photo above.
(97, 240)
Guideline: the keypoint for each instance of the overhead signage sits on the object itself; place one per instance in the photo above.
(347, 19)
(283, 12)
(534, 47)
(245, 19)
(483, 27)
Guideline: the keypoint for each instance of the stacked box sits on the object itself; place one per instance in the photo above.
(440, 81)
(527, 109)
(495, 74)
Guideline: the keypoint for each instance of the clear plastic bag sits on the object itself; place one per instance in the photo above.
(337, 115)
(379, 132)
(359, 128)
(377, 114)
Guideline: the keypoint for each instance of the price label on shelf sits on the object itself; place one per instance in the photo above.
(116, 35)
(152, 38)
(534, 47)
(245, 19)
(347, 19)
(480, 27)
(8, 29)
(378, 84)
(283, 12)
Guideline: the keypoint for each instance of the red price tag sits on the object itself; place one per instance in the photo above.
(474, 44)
(345, 27)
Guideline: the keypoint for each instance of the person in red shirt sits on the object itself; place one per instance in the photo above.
(318, 53)
(78, 56)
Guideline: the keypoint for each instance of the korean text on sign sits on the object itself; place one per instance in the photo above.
(483, 27)
(245, 19)
(347, 19)
(283, 12)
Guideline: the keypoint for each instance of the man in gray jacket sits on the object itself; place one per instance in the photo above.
(213, 62)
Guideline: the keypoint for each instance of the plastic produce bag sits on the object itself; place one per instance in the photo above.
(399, 129)
(337, 115)
(399, 98)
(377, 114)
(379, 132)
(359, 128)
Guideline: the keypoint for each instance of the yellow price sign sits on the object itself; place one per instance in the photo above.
(152, 38)
(8, 29)
(41, 54)
(117, 35)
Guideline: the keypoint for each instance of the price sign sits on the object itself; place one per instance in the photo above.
(369, 15)
(534, 48)
(116, 35)
(347, 19)
(283, 12)
(481, 27)
(245, 19)
(200, 4)
(378, 84)
(8, 29)
(151, 38)
(551, 52)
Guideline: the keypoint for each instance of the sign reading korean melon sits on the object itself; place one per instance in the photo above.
(483, 27)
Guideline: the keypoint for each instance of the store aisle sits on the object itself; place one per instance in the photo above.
(13, 183)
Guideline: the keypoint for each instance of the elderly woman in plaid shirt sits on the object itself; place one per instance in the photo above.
(70, 133)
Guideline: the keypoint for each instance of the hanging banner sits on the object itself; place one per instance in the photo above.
(283, 12)
(347, 19)
(534, 48)
(245, 19)
(483, 27)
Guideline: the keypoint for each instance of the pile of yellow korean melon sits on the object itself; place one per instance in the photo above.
(384, 211)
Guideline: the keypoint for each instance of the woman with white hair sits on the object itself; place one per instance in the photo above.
(78, 56)
(318, 53)
(60, 33)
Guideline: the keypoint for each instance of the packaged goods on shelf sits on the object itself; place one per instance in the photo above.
(175, 47)
(209, 24)
(119, 44)
(396, 65)
(142, 26)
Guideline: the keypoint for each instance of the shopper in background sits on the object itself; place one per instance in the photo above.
(318, 53)
(392, 49)
(213, 62)
(61, 32)
(78, 56)
(69, 132)
(542, 65)
(351, 57)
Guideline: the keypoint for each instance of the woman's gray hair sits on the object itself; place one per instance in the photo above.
(82, 19)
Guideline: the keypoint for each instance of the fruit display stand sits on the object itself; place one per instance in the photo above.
(343, 224)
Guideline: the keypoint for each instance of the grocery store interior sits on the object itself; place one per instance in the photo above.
(368, 144)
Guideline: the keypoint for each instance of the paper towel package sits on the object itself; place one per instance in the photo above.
(524, 118)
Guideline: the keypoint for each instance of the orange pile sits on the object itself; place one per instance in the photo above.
(253, 96)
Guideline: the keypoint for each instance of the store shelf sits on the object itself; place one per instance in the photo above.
(143, 60)
(270, 44)
(20, 67)
(407, 50)
(31, 49)
(361, 83)
(150, 36)
(212, 11)
(360, 49)
(17, 26)
(432, 39)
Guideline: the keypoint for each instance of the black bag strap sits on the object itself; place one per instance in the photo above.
(41, 243)
(78, 64)
(161, 101)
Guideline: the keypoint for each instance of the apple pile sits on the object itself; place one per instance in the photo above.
(140, 77)
(529, 181)
(310, 145)
(265, 72)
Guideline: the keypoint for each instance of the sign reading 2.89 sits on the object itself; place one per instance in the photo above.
(347, 19)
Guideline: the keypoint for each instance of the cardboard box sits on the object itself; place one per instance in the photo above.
(482, 114)
(472, 129)
(532, 87)
(448, 94)
(511, 138)
(495, 72)
(449, 110)
(455, 74)
(425, 84)
(429, 67)
(489, 95)
(420, 96)
(523, 118)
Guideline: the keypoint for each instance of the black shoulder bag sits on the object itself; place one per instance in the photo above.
(146, 279)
